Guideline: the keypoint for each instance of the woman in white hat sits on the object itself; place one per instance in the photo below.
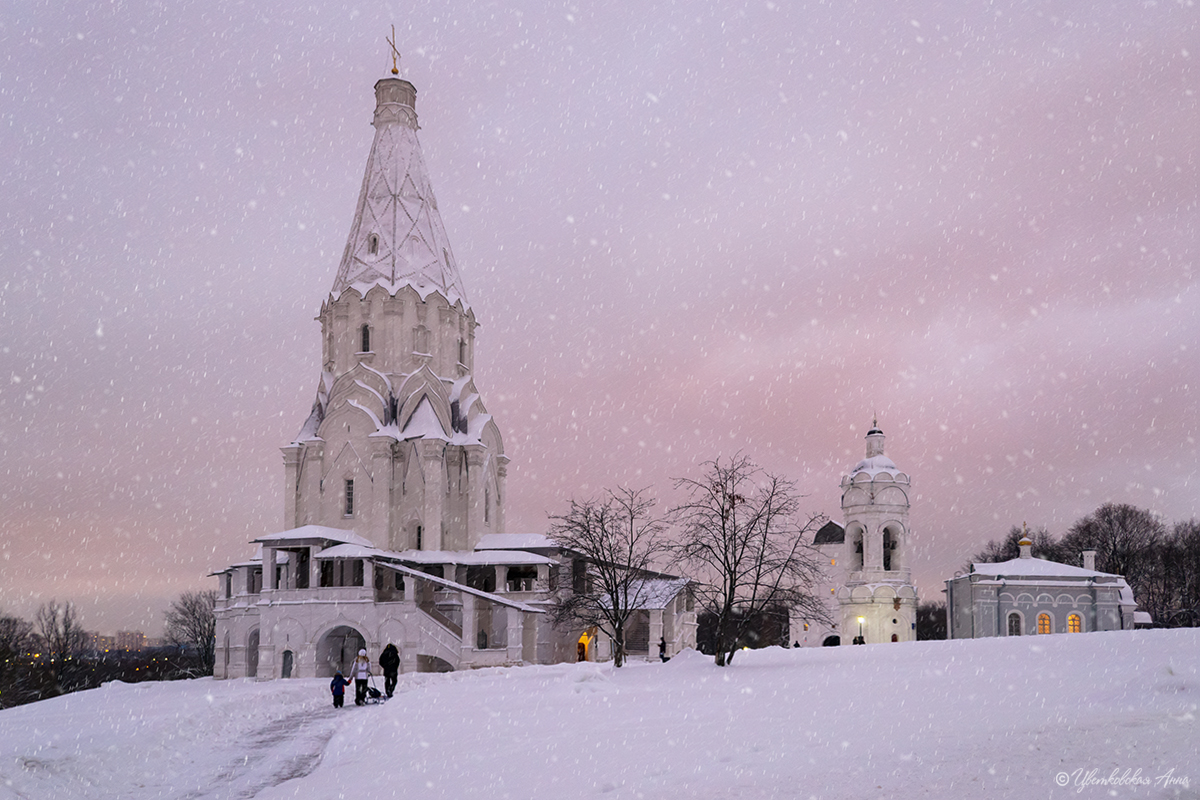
(360, 671)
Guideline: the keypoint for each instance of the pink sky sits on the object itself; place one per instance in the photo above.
(688, 230)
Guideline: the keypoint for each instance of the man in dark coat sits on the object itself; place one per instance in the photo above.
(389, 661)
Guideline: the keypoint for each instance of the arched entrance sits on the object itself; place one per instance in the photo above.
(288, 658)
(832, 641)
(584, 644)
(252, 654)
(336, 650)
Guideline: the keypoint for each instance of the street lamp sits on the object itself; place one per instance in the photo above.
(861, 640)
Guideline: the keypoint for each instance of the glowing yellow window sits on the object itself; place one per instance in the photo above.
(1074, 624)
(1044, 625)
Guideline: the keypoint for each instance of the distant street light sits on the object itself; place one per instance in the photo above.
(861, 640)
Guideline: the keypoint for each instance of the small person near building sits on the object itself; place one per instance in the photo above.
(338, 687)
(389, 662)
(361, 672)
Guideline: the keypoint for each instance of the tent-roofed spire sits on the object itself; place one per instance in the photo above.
(397, 237)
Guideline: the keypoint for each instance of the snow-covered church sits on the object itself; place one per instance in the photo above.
(867, 582)
(394, 488)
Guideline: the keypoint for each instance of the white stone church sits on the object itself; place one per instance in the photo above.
(867, 586)
(395, 486)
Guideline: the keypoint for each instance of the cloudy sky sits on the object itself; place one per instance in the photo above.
(688, 229)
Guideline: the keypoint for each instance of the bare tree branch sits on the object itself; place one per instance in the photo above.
(618, 540)
(191, 622)
(745, 538)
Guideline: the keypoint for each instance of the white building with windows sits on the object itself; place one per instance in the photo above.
(1027, 595)
(394, 488)
(867, 584)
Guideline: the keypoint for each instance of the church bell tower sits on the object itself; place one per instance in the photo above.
(877, 601)
(399, 447)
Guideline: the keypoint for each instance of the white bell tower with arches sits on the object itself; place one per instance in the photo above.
(877, 600)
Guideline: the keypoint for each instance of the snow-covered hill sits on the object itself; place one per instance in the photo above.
(1000, 718)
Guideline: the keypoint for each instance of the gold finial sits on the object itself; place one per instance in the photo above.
(395, 52)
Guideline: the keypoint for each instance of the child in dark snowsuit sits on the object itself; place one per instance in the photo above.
(338, 687)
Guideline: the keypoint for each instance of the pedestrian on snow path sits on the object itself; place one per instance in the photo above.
(361, 672)
(389, 662)
(338, 687)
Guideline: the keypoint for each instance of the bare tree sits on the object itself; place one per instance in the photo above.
(16, 636)
(191, 622)
(1125, 539)
(63, 638)
(745, 539)
(618, 540)
(1044, 546)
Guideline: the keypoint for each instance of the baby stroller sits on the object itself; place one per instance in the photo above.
(374, 696)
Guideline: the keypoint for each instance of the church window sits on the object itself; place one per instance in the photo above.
(366, 338)
(487, 505)
(372, 246)
(228, 585)
(1014, 624)
(1074, 624)
(349, 509)
(418, 537)
(421, 339)
(1044, 624)
(462, 352)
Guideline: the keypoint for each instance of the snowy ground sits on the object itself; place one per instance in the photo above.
(999, 718)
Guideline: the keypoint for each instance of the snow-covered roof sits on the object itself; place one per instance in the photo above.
(1035, 567)
(424, 423)
(315, 532)
(348, 551)
(875, 465)
(655, 593)
(514, 541)
(468, 558)
(397, 237)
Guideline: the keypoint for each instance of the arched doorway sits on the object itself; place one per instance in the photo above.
(252, 654)
(832, 641)
(584, 644)
(336, 650)
(288, 658)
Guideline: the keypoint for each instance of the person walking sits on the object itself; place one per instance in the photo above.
(389, 662)
(361, 672)
(338, 687)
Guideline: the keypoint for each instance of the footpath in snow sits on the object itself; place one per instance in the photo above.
(1091, 715)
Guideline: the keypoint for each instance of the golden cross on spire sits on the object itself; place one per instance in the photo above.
(395, 52)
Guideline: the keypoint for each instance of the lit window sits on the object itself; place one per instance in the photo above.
(349, 498)
(1074, 624)
(1044, 625)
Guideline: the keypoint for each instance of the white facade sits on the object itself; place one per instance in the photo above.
(394, 489)
(867, 585)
